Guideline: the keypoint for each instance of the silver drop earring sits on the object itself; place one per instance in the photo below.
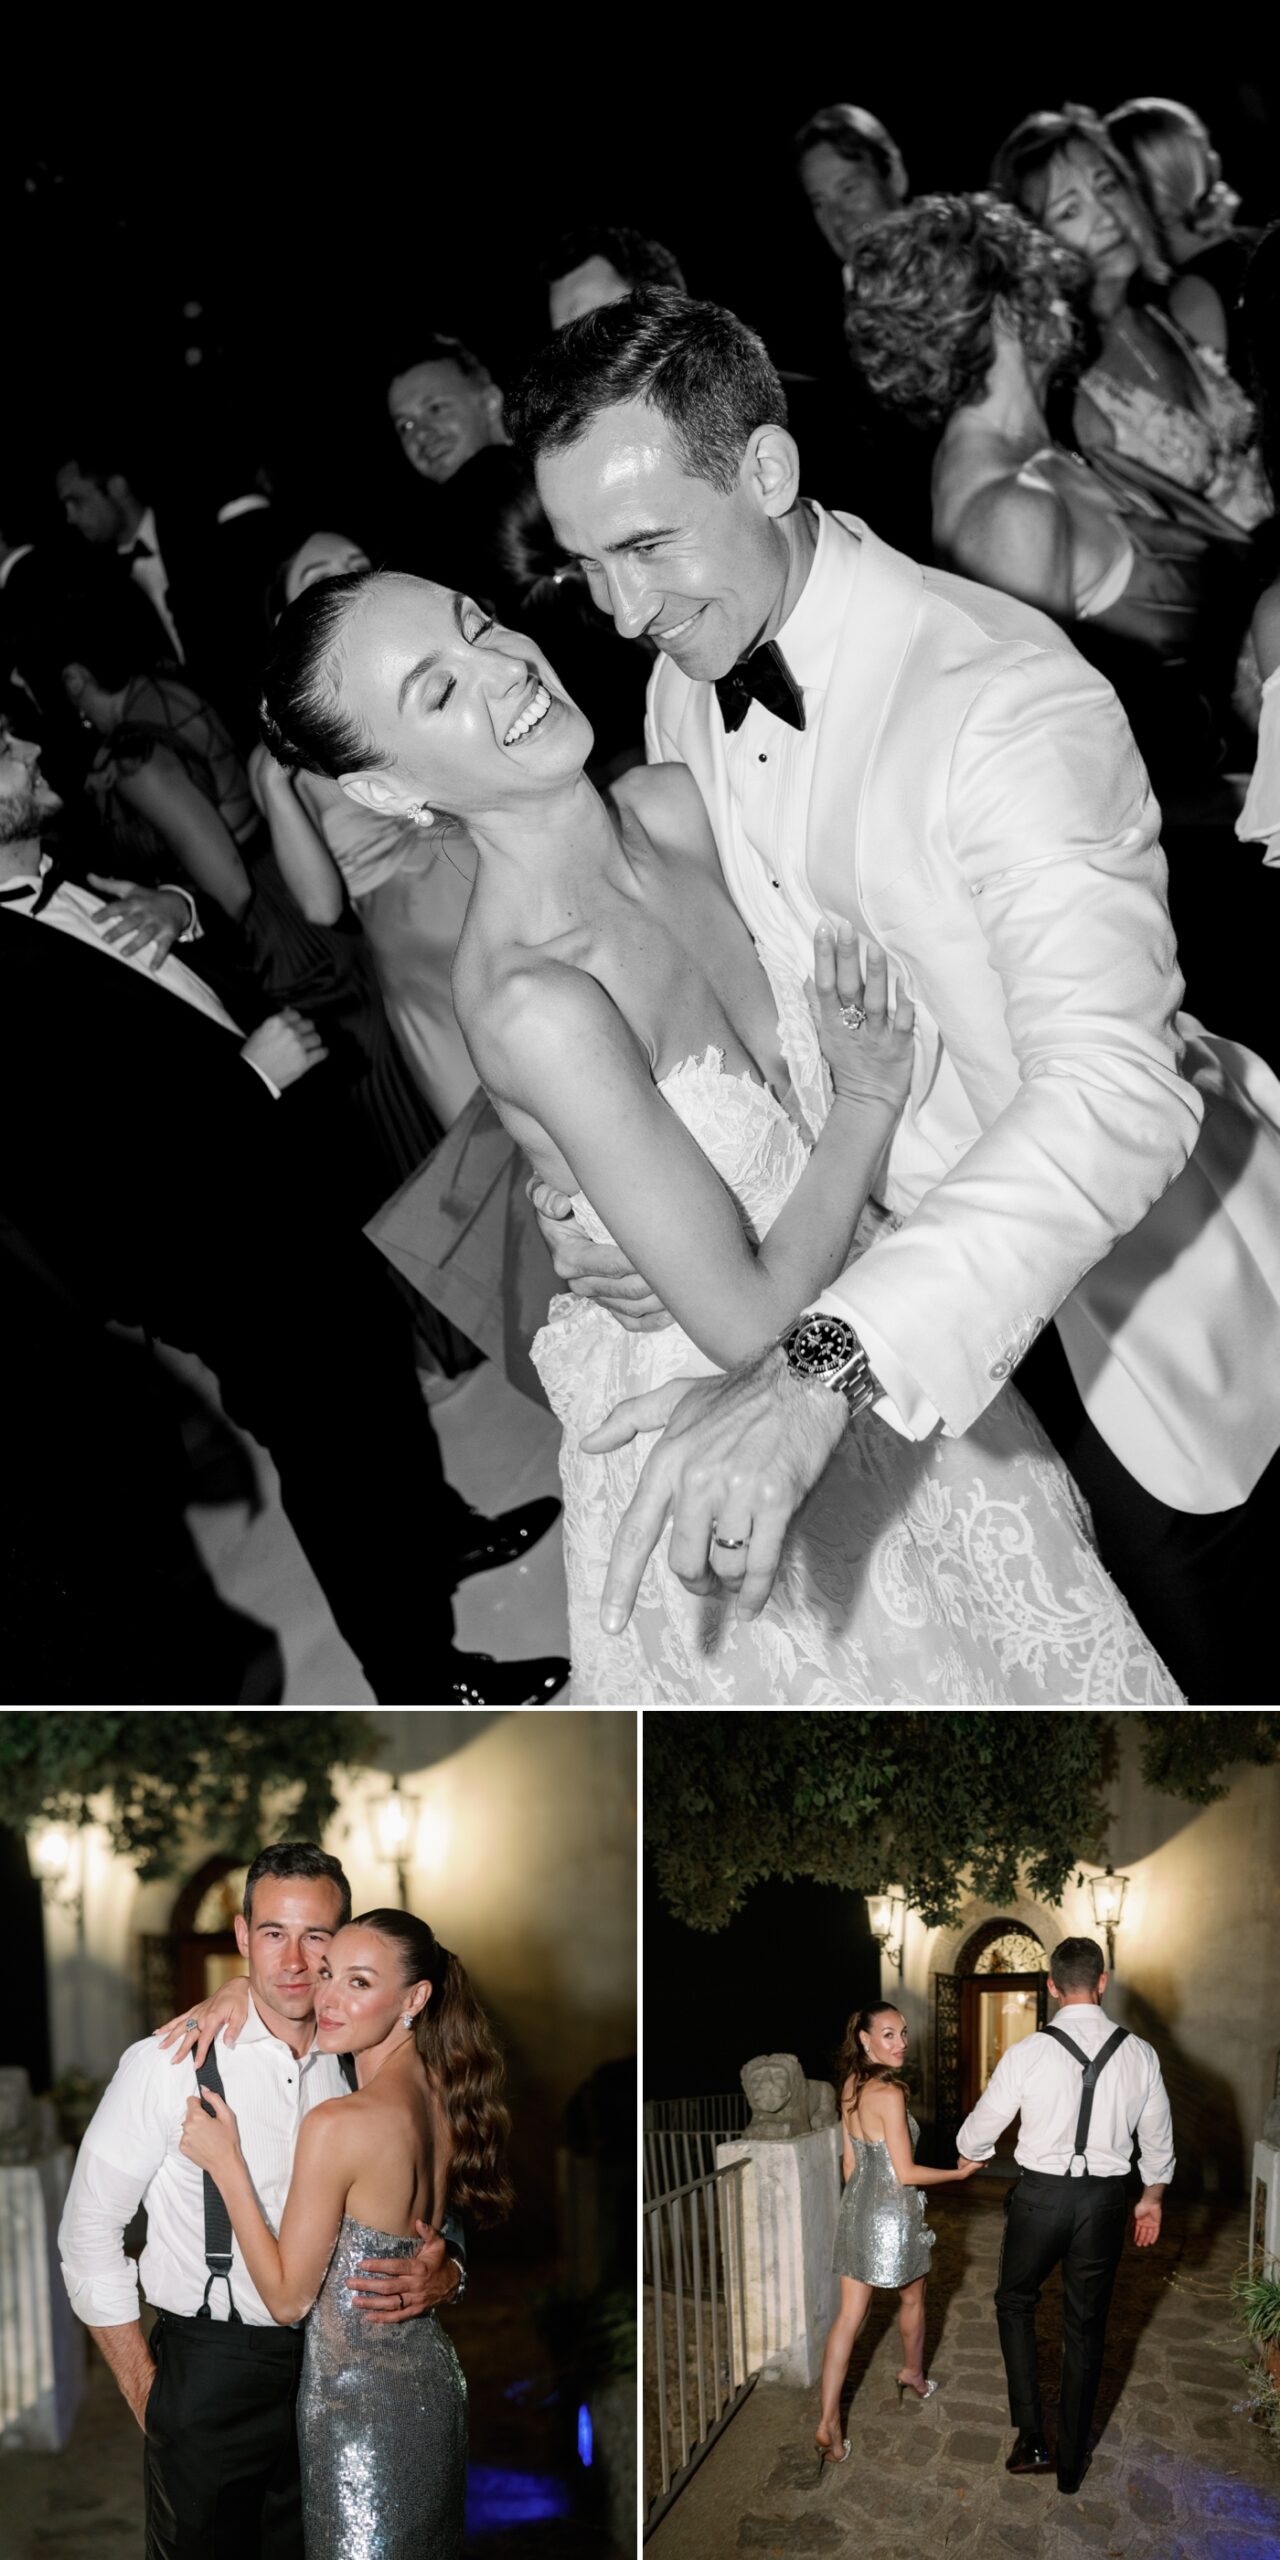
(408, 2019)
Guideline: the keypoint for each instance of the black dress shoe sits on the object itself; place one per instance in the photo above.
(482, 1543)
(1030, 2453)
(476, 1680)
(1069, 2481)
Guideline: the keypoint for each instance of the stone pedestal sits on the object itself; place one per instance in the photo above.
(790, 2202)
(1264, 2218)
(42, 2364)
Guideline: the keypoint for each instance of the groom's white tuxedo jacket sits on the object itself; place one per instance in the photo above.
(1071, 1146)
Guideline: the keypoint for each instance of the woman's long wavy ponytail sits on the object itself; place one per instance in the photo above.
(456, 2043)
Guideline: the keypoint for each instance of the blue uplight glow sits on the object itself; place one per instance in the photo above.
(586, 2438)
(504, 2498)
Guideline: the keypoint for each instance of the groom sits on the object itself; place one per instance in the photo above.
(1083, 2088)
(214, 2389)
(936, 762)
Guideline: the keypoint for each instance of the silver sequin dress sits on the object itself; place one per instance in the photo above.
(881, 2233)
(382, 2423)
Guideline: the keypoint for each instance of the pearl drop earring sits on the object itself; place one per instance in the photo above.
(423, 816)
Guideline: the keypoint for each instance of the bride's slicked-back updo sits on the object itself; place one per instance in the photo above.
(302, 720)
(456, 2043)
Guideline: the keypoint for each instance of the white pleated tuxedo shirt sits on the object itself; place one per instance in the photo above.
(130, 2156)
(1037, 2078)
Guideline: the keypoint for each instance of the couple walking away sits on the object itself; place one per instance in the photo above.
(298, 2397)
(1083, 2088)
(811, 1232)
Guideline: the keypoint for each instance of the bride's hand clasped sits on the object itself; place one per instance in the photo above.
(211, 2140)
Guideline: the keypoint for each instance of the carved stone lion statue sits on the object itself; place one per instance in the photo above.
(778, 2095)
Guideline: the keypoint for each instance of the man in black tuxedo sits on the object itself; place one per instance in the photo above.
(159, 1178)
(96, 492)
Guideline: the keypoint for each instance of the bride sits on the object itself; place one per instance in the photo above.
(727, 1136)
(382, 2410)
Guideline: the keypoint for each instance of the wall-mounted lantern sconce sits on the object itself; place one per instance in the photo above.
(887, 1913)
(1107, 1893)
(394, 1820)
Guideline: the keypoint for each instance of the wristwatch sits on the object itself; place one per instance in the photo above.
(459, 2293)
(824, 1351)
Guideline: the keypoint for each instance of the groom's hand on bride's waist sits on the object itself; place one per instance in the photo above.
(598, 1271)
(389, 2289)
(737, 1457)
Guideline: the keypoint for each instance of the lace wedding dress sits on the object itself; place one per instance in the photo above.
(951, 1572)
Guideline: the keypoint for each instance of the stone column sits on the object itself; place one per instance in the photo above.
(790, 2201)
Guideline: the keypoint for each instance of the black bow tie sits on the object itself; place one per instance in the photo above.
(765, 678)
(140, 551)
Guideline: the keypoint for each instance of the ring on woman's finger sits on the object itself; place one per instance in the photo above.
(852, 1016)
(192, 2027)
(718, 1541)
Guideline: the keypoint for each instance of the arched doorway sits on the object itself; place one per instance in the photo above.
(997, 1994)
(203, 1929)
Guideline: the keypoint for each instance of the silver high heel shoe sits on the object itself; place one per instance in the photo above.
(921, 2391)
(830, 2461)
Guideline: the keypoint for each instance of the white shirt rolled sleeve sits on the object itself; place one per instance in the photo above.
(1038, 2081)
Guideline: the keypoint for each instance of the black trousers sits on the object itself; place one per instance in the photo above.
(1197, 1582)
(1077, 2224)
(221, 2456)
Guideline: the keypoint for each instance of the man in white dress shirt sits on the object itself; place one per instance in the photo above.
(215, 2386)
(1084, 2090)
(936, 763)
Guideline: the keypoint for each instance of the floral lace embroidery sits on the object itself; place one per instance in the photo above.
(954, 1572)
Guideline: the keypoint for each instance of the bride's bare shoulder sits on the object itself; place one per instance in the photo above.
(666, 800)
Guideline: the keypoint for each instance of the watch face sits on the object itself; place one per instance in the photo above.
(820, 1346)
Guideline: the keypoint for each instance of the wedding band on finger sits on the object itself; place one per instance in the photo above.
(852, 1016)
(718, 1541)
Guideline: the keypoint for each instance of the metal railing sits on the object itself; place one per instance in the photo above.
(695, 2324)
(680, 2137)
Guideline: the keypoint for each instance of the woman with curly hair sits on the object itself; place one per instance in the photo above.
(1150, 393)
(382, 2423)
(881, 2236)
(962, 311)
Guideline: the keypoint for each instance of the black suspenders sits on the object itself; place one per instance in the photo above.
(217, 2220)
(1091, 2071)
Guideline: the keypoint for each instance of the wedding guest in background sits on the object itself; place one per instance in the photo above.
(852, 174)
(1259, 820)
(961, 309)
(211, 1219)
(1149, 394)
(1167, 146)
(447, 411)
(96, 491)
(851, 171)
(601, 263)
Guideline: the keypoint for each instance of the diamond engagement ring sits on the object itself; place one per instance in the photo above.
(852, 1016)
(192, 2027)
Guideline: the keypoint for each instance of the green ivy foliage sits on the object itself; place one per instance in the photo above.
(1186, 1755)
(238, 1779)
(857, 1800)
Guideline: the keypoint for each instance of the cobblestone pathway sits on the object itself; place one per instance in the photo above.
(1180, 2471)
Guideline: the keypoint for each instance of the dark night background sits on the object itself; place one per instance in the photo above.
(782, 1978)
(324, 212)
